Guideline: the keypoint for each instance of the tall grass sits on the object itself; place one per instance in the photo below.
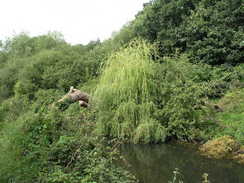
(124, 96)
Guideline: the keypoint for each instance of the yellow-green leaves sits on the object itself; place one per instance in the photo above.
(125, 91)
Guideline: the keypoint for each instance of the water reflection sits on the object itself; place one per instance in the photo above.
(155, 164)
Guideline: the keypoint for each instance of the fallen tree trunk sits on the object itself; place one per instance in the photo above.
(74, 95)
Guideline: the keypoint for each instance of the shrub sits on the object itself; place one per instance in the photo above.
(51, 146)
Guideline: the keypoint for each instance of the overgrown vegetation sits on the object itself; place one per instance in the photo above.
(145, 101)
(232, 119)
(51, 146)
(176, 71)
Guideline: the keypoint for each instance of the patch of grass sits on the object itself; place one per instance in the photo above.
(232, 117)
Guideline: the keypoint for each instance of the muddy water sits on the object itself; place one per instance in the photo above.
(155, 164)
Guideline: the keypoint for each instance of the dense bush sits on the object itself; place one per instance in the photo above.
(51, 146)
(209, 31)
(50, 64)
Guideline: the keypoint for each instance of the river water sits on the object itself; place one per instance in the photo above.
(156, 163)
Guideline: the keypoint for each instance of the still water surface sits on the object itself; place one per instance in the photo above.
(155, 164)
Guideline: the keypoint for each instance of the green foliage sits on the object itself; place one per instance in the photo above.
(142, 101)
(39, 142)
(54, 147)
(50, 64)
(22, 45)
(231, 120)
(215, 31)
(142, 92)
(180, 98)
(12, 108)
(210, 31)
(124, 93)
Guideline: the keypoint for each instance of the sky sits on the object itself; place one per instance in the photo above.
(80, 21)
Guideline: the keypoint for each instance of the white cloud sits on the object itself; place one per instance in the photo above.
(78, 20)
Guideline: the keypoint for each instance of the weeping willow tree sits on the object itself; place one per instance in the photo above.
(141, 100)
(124, 96)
